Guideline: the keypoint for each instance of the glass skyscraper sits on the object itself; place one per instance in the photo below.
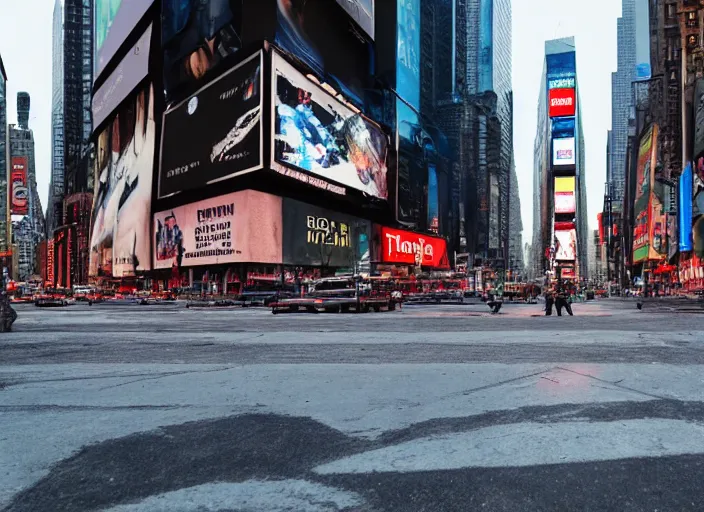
(56, 186)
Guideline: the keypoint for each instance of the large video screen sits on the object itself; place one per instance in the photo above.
(408, 248)
(644, 186)
(563, 152)
(566, 245)
(114, 20)
(562, 102)
(216, 133)
(408, 51)
(242, 226)
(121, 82)
(19, 202)
(564, 202)
(316, 133)
(120, 227)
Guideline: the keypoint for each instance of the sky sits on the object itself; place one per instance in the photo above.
(26, 54)
(593, 24)
(28, 64)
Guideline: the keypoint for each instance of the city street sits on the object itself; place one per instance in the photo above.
(163, 408)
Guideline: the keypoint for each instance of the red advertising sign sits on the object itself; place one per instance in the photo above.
(562, 102)
(19, 192)
(413, 249)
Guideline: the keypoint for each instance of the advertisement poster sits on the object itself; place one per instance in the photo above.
(409, 248)
(685, 208)
(121, 82)
(314, 236)
(114, 20)
(564, 202)
(120, 227)
(197, 37)
(20, 192)
(316, 133)
(562, 102)
(408, 52)
(644, 180)
(563, 152)
(566, 245)
(216, 133)
(239, 227)
(361, 11)
(318, 32)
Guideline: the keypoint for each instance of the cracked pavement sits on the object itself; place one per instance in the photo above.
(142, 408)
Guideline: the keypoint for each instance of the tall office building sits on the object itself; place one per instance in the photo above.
(56, 185)
(78, 82)
(4, 214)
(28, 231)
(560, 232)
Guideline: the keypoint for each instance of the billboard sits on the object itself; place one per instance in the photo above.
(561, 102)
(433, 199)
(114, 20)
(565, 184)
(685, 207)
(562, 83)
(563, 127)
(566, 245)
(121, 82)
(362, 11)
(318, 237)
(318, 33)
(197, 37)
(563, 152)
(316, 133)
(408, 51)
(560, 65)
(216, 133)
(409, 248)
(239, 227)
(120, 228)
(19, 202)
(644, 181)
(565, 202)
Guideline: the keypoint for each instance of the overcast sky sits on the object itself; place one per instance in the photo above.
(593, 24)
(27, 58)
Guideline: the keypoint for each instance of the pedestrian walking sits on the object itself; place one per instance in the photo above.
(549, 301)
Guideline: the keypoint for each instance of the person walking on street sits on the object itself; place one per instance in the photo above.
(549, 301)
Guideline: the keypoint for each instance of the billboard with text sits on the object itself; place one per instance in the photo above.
(216, 133)
(561, 102)
(408, 248)
(19, 202)
(642, 233)
(241, 227)
(563, 152)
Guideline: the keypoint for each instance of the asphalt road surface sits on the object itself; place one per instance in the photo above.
(432, 408)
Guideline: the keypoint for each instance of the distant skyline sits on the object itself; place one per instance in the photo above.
(28, 64)
(593, 25)
(25, 46)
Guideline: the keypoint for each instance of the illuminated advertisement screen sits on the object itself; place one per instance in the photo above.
(560, 65)
(19, 204)
(562, 83)
(318, 134)
(408, 51)
(685, 207)
(114, 20)
(566, 245)
(563, 127)
(242, 226)
(433, 199)
(121, 82)
(642, 205)
(319, 237)
(563, 152)
(409, 248)
(120, 227)
(565, 184)
(562, 102)
(216, 133)
(361, 11)
(565, 202)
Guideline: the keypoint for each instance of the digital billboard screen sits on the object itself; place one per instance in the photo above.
(642, 204)
(239, 227)
(563, 127)
(566, 245)
(562, 102)
(216, 133)
(318, 134)
(114, 20)
(124, 165)
(562, 83)
(19, 204)
(433, 199)
(685, 208)
(121, 82)
(565, 202)
(316, 236)
(563, 152)
(408, 51)
(410, 248)
(560, 65)
(565, 184)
